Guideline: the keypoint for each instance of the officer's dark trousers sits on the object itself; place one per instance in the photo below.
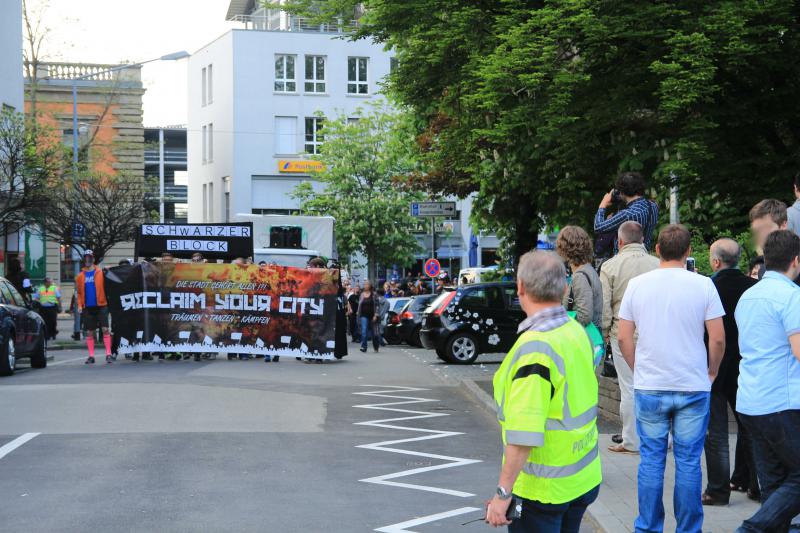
(553, 518)
(50, 316)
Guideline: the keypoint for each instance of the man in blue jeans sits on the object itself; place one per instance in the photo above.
(768, 399)
(671, 308)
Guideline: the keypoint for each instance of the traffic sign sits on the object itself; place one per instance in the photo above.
(433, 209)
(78, 230)
(432, 268)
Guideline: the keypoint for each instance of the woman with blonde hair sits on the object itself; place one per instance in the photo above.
(585, 295)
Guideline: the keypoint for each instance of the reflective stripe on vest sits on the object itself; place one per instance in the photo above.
(568, 422)
(48, 296)
(552, 472)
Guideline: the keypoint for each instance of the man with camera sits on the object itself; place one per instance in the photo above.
(628, 193)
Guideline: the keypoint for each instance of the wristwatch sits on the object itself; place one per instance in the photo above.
(502, 493)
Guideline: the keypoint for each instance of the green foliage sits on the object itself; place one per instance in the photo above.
(538, 105)
(360, 188)
(700, 250)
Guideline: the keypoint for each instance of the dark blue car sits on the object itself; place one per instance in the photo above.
(22, 331)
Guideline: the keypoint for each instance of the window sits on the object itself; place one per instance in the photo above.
(352, 121)
(357, 75)
(204, 89)
(286, 135)
(210, 143)
(205, 144)
(227, 206)
(488, 297)
(284, 74)
(5, 294)
(313, 135)
(16, 297)
(315, 74)
(513, 299)
(211, 202)
(210, 83)
(205, 202)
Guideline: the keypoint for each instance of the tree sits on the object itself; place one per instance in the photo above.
(537, 105)
(109, 207)
(362, 160)
(28, 164)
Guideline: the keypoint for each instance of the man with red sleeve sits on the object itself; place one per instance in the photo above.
(90, 287)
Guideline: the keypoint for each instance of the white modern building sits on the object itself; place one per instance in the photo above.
(11, 79)
(257, 99)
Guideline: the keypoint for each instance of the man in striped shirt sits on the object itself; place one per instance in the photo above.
(629, 188)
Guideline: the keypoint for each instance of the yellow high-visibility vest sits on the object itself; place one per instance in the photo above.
(546, 395)
(48, 295)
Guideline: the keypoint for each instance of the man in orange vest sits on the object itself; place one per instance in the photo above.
(90, 286)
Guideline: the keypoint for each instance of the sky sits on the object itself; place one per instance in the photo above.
(116, 31)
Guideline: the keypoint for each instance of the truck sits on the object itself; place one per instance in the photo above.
(291, 240)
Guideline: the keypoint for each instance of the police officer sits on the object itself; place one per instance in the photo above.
(49, 298)
(546, 394)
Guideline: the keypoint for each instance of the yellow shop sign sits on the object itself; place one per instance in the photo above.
(302, 166)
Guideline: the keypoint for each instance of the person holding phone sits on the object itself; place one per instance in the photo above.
(629, 192)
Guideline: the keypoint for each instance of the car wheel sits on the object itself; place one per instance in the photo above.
(414, 340)
(8, 356)
(39, 355)
(462, 349)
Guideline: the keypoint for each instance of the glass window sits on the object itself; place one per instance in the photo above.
(512, 298)
(210, 150)
(315, 74)
(5, 294)
(313, 134)
(205, 144)
(486, 297)
(204, 88)
(16, 297)
(210, 83)
(357, 75)
(284, 74)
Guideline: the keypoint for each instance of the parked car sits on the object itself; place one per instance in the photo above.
(406, 325)
(22, 331)
(474, 319)
(395, 307)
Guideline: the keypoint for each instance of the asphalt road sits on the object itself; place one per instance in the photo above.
(243, 446)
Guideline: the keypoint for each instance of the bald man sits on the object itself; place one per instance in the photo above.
(731, 283)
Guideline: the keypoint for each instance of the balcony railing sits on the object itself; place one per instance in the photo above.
(171, 157)
(274, 20)
(89, 71)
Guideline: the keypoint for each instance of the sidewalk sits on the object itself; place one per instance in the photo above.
(616, 507)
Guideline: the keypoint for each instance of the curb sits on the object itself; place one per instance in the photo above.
(59, 347)
(487, 402)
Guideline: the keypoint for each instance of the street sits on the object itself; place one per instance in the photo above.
(243, 446)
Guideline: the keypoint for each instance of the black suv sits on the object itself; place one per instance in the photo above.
(22, 331)
(471, 320)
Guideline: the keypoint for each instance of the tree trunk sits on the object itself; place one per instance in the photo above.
(526, 230)
(371, 266)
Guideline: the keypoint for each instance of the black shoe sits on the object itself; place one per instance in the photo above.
(197, 357)
(147, 357)
(89, 361)
(754, 495)
(187, 356)
(375, 349)
(710, 500)
(135, 358)
(160, 357)
(363, 350)
(617, 439)
(76, 336)
(276, 359)
(231, 358)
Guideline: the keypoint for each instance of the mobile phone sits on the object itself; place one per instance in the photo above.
(514, 509)
(690, 266)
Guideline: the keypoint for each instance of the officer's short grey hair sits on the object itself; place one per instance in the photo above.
(543, 275)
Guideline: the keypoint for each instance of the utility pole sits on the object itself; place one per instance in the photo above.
(674, 217)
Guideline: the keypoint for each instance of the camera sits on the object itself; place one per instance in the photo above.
(616, 197)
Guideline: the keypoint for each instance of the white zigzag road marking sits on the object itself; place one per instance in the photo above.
(390, 392)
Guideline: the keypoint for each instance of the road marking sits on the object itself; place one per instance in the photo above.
(16, 443)
(67, 361)
(393, 393)
(401, 527)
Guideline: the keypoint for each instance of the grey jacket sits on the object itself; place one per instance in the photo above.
(587, 291)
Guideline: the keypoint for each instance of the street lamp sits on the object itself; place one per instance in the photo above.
(175, 56)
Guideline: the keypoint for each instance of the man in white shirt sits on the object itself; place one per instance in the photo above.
(671, 308)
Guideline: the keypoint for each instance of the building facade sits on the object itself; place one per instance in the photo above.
(109, 108)
(258, 97)
(174, 163)
(11, 80)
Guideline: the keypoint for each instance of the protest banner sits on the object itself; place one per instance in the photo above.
(224, 308)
